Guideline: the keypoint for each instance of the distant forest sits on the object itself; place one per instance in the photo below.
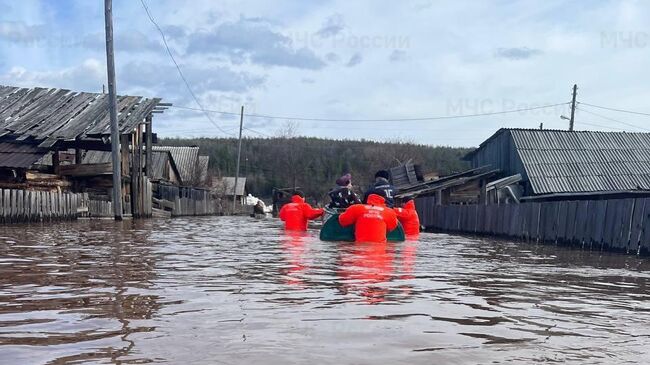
(313, 164)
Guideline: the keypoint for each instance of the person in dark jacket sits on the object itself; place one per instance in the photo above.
(342, 195)
(382, 187)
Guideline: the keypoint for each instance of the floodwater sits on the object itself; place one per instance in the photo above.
(225, 290)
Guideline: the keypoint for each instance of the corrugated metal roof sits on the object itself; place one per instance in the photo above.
(15, 155)
(227, 184)
(583, 161)
(186, 160)
(60, 114)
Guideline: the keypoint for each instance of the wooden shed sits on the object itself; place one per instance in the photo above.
(45, 132)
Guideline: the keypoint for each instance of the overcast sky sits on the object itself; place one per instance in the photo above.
(347, 60)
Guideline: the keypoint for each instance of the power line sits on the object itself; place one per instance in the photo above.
(178, 68)
(377, 120)
(258, 132)
(613, 120)
(616, 110)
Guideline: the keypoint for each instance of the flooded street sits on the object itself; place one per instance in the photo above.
(222, 290)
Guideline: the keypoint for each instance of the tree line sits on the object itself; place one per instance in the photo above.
(313, 164)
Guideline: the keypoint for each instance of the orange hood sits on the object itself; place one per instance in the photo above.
(297, 199)
(377, 200)
(410, 205)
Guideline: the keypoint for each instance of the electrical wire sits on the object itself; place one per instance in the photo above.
(612, 119)
(375, 120)
(178, 68)
(614, 109)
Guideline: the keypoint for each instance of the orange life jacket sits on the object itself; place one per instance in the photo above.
(408, 216)
(296, 214)
(371, 221)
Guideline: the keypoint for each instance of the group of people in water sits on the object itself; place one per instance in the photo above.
(373, 217)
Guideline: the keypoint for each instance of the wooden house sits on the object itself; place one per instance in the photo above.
(39, 126)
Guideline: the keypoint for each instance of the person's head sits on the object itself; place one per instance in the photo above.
(376, 200)
(299, 193)
(382, 174)
(296, 198)
(344, 181)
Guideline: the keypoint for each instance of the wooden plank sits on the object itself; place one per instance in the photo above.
(610, 223)
(570, 228)
(622, 226)
(599, 224)
(562, 213)
(637, 225)
(86, 169)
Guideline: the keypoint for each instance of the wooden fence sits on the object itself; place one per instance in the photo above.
(185, 201)
(18, 206)
(621, 225)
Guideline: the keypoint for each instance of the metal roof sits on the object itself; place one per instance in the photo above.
(19, 155)
(583, 161)
(186, 160)
(50, 115)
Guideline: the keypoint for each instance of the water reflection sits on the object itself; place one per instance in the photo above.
(233, 290)
(294, 244)
(364, 267)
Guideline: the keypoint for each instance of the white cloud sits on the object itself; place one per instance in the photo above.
(126, 41)
(354, 60)
(87, 76)
(254, 40)
(333, 25)
(266, 54)
(397, 55)
(517, 53)
(21, 32)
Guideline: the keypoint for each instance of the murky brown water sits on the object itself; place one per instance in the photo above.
(238, 291)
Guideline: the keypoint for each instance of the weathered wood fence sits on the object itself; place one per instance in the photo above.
(18, 206)
(185, 201)
(621, 225)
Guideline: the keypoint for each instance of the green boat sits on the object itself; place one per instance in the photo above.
(333, 231)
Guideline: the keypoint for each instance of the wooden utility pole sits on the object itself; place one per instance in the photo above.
(112, 107)
(573, 107)
(234, 193)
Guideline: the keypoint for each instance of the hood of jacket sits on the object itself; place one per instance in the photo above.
(410, 205)
(297, 199)
(376, 200)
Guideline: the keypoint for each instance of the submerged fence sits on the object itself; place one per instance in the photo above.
(18, 206)
(185, 201)
(621, 225)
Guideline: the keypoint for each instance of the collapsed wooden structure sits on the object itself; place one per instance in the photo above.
(58, 141)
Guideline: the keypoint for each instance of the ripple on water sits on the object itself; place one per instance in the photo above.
(237, 290)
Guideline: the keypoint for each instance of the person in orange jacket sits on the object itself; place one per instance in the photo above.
(296, 214)
(408, 216)
(372, 220)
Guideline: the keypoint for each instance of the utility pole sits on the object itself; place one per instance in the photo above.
(112, 107)
(234, 193)
(573, 107)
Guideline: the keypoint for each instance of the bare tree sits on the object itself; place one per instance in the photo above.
(288, 130)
